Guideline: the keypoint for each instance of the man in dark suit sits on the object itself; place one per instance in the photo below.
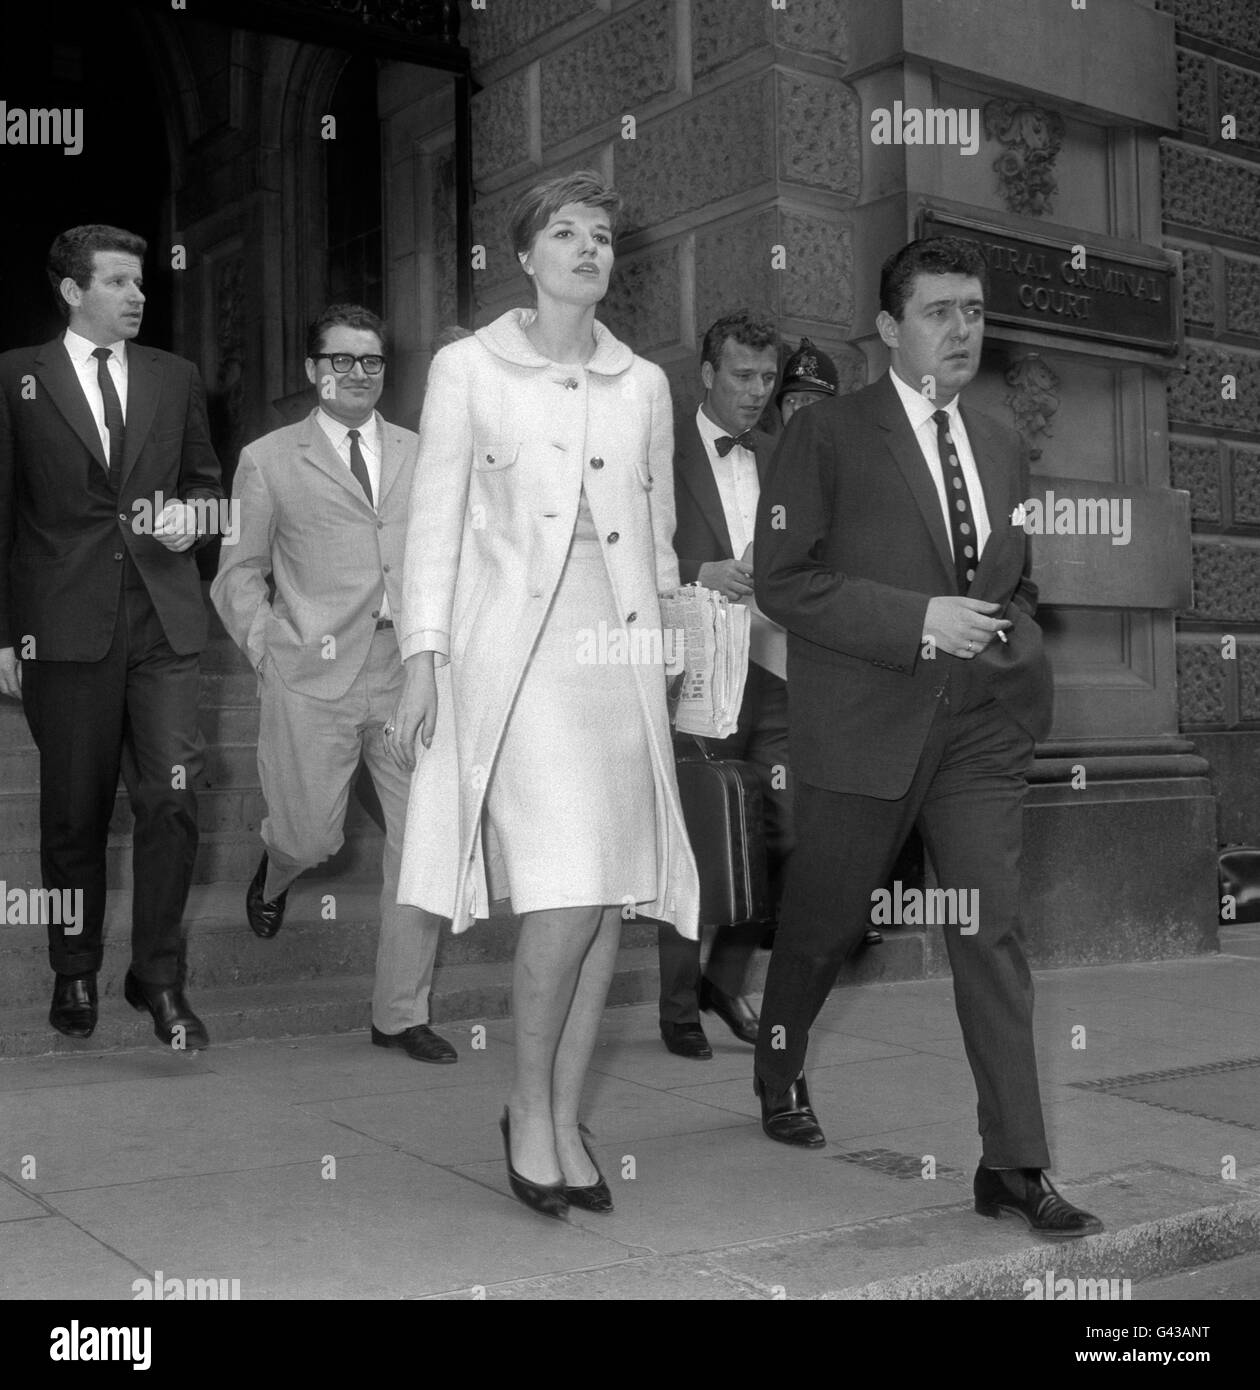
(720, 459)
(107, 482)
(888, 546)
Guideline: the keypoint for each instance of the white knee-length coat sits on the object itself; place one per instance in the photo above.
(507, 442)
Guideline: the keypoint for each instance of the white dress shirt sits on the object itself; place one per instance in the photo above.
(369, 446)
(85, 368)
(920, 411)
(739, 488)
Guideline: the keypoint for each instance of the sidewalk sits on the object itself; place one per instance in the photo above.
(325, 1168)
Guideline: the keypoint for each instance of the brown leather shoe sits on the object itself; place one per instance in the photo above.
(790, 1118)
(1027, 1192)
(73, 1010)
(419, 1042)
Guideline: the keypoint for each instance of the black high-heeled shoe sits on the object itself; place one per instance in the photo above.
(596, 1197)
(546, 1198)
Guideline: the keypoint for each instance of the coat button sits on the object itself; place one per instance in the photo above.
(122, 516)
(384, 569)
(376, 612)
(380, 525)
(630, 617)
(613, 537)
(489, 458)
(117, 554)
(597, 463)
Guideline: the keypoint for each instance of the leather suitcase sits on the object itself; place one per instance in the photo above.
(722, 805)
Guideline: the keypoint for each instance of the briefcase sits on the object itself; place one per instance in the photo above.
(1240, 883)
(722, 805)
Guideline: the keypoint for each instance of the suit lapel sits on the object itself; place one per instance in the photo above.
(891, 417)
(697, 475)
(393, 453)
(995, 484)
(144, 386)
(316, 448)
(60, 383)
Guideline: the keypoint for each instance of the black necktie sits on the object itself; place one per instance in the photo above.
(113, 414)
(962, 524)
(357, 465)
(725, 443)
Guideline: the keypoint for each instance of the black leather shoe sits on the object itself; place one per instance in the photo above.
(686, 1040)
(73, 1010)
(420, 1042)
(265, 918)
(790, 1119)
(546, 1198)
(1027, 1192)
(596, 1197)
(872, 936)
(169, 1010)
(734, 1010)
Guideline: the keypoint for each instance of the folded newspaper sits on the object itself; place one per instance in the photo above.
(715, 641)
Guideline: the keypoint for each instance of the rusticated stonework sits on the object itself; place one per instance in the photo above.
(820, 27)
(1238, 94)
(1192, 91)
(1234, 23)
(1226, 583)
(1248, 681)
(1201, 683)
(818, 133)
(1242, 295)
(720, 287)
(444, 247)
(1196, 469)
(722, 32)
(642, 304)
(1244, 473)
(1204, 190)
(1195, 396)
(608, 72)
(1197, 284)
(712, 148)
(818, 276)
(503, 29)
(490, 229)
(500, 126)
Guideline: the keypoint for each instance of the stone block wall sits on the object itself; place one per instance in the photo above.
(1211, 198)
(728, 128)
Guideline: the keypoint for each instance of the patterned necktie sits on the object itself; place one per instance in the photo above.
(358, 467)
(962, 524)
(725, 443)
(113, 414)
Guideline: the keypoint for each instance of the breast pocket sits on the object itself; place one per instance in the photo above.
(493, 457)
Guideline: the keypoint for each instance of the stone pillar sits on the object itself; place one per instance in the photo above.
(1211, 204)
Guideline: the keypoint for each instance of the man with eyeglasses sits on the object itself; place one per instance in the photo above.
(323, 511)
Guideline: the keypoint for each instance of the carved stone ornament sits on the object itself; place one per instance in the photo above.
(1034, 398)
(1032, 138)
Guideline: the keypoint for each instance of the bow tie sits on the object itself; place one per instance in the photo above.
(725, 443)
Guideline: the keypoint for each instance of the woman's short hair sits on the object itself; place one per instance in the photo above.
(538, 205)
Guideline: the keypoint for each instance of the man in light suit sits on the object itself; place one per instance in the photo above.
(887, 545)
(107, 482)
(720, 459)
(323, 511)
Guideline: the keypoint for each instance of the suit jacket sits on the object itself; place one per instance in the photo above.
(63, 534)
(304, 520)
(701, 535)
(848, 568)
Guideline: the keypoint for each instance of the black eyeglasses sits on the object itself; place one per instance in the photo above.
(371, 362)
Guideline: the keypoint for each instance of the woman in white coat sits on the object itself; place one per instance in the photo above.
(540, 536)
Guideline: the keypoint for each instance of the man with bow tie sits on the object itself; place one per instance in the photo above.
(886, 546)
(720, 459)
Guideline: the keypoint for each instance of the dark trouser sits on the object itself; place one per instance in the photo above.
(135, 711)
(760, 739)
(966, 799)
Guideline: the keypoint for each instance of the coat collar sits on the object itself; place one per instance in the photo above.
(317, 448)
(505, 337)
